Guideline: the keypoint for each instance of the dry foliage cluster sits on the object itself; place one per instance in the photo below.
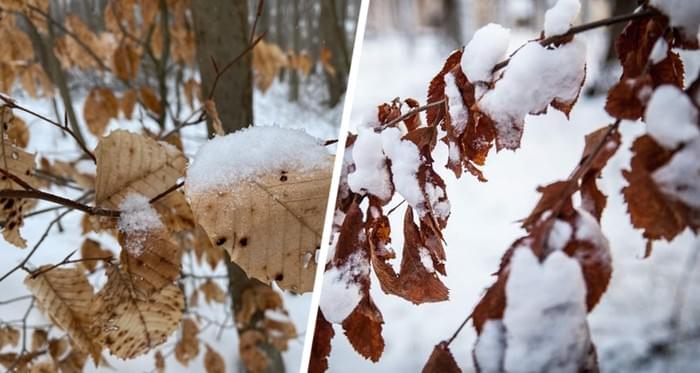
(363, 229)
(145, 53)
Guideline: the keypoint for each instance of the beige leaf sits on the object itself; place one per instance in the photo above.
(43, 367)
(17, 132)
(58, 348)
(268, 59)
(265, 306)
(156, 267)
(100, 106)
(7, 76)
(129, 325)
(150, 100)
(9, 336)
(204, 248)
(92, 249)
(175, 212)
(73, 362)
(271, 227)
(212, 292)
(132, 163)
(193, 92)
(64, 294)
(252, 355)
(125, 62)
(187, 348)
(213, 362)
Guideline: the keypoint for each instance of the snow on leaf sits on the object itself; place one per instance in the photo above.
(684, 15)
(128, 324)
(371, 173)
(266, 186)
(65, 295)
(671, 117)
(487, 47)
(441, 360)
(558, 19)
(131, 163)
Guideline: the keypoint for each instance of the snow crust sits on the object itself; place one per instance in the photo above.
(671, 117)
(487, 48)
(684, 14)
(534, 77)
(340, 293)
(559, 235)
(680, 178)
(558, 19)
(371, 173)
(490, 347)
(426, 259)
(137, 219)
(659, 51)
(405, 160)
(247, 153)
(554, 294)
(458, 112)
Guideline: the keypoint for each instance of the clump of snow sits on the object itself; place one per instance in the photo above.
(405, 160)
(490, 347)
(680, 178)
(684, 14)
(487, 48)
(535, 76)
(559, 235)
(659, 51)
(458, 112)
(426, 259)
(545, 314)
(588, 229)
(559, 18)
(247, 153)
(371, 173)
(437, 200)
(671, 117)
(137, 219)
(340, 292)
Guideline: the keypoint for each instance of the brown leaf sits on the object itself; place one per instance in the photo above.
(158, 264)
(252, 355)
(65, 295)
(441, 360)
(213, 114)
(39, 339)
(187, 348)
(92, 249)
(625, 99)
(326, 56)
(159, 362)
(268, 59)
(213, 362)
(321, 346)
(363, 327)
(127, 103)
(125, 62)
(9, 336)
(436, 89)
(212, 292)
(100, 106)
(193, 91)
(150, 100)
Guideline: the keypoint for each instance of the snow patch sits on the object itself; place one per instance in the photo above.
(371, 174)
(559, 18)
(559, 235)
(340, 292)
(659, 51)
(405, 160)
(553, 294)
(680, 178)
(247, 153)
(487, 48)
(490, 347)
(671, 117)
(684, 14)
(458, 112)
(426, 259)
(137, 219)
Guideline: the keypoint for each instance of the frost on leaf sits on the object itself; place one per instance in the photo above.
(65, 295)
(441, 361)
(128, 323)
(131, 163)
(278, 178)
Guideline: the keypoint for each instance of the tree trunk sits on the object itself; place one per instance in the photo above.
(618, 7)
(453, 27)
(281, 30)
(333, 38)
(221, 33)
(296, 45)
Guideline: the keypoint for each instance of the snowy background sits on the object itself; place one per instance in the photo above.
(270, 108)
(631, 326)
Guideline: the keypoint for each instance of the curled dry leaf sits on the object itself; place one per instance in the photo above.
(128, 324)
(213, 362)
(125, 62)
(187, 348)
(268, 59)
(65, 295)
(100, 106)
(127, 103)
(150, 100)
(238, 219)
(128, 162)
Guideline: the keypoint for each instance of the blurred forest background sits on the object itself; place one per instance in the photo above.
(647, 321)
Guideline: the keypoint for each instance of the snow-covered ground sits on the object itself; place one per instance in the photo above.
(271, 108)
(635, 312)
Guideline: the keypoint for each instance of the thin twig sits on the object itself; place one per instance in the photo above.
(258, 14)
(413, 112)
(167, 191)
(38, 194)
(67, 261)
(220, 72)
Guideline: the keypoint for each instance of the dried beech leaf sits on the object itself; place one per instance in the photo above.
(9, 336)
(127, 103)
(159, 362)
(158, 264)
(187, 348)
(325, 57)
(238, 219)
(100, 106)
(213, 362)
(65, 295)
(268, 59)
(212, 292)
(441, 361)
(364, 330)
(150, 100)
(92, 249)
(39, 339)
(20, 164)
(129, 325)
(126, 62)
(129, 162)
(321, 346)
(252, 355)
(17, 131)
